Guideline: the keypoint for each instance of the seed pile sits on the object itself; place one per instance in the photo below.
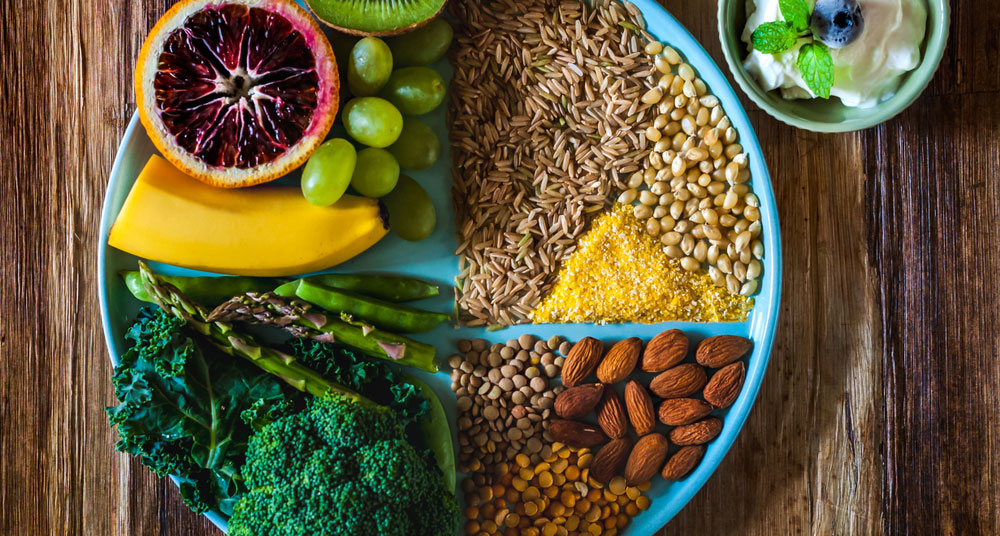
(547, 118)
(555, 496)
(620, 274)
(694, 193)
(505, 395)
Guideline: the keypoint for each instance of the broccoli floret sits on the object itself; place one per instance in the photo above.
(341, 468)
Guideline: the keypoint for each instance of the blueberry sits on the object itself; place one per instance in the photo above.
(837, 23)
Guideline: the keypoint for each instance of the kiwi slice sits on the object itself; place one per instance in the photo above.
(375, 17)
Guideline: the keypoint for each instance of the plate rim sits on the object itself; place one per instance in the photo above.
(739, 412)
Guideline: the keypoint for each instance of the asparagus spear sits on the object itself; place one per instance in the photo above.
(224, 337)
(301, 320)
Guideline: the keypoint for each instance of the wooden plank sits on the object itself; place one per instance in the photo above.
(933, 207)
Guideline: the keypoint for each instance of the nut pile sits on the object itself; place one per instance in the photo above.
(676, 383)
(695, 193)
(555, 496)
(505, 396)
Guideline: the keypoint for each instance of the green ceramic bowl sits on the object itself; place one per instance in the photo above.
(831, 115)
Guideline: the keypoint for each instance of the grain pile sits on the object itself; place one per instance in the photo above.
(620, 273)
(546, 122)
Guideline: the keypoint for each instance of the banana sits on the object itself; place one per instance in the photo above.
(264, 231)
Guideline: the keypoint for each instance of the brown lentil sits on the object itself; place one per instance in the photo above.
(503, 403)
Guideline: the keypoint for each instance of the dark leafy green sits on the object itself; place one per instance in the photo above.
(182, 409)
(373, 379)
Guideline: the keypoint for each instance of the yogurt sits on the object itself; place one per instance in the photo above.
(866, 72)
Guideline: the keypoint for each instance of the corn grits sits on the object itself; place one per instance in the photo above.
(619, 273)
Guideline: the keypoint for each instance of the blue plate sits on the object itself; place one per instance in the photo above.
(433, 259)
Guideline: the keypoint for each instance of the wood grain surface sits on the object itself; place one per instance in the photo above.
(879, 413)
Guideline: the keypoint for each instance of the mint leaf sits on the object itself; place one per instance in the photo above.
(816, 66)
(796, 13)
(774, 37)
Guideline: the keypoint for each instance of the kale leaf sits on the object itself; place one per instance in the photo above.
(188, 410)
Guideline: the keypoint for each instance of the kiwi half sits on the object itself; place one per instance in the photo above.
(375, 17)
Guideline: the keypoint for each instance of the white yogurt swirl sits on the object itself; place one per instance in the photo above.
(866, 72)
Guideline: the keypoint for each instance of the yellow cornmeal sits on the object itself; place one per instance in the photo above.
(619, 273)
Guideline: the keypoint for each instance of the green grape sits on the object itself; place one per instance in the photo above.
(372, 121)
(411, 213)
(369, 67)
(415, 90)
(418, 147)
(422, 46)
(376, 173)
(328, 172)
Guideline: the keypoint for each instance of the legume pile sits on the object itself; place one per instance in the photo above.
(553, 497)
(519, 481)
(505, 392)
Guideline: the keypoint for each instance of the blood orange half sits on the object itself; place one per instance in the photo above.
(237, 92)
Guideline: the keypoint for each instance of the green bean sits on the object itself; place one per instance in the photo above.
(206, 291)
(384, 287)
(386, 315)
(437, 433)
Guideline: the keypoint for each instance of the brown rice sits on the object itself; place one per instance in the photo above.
(546, 122)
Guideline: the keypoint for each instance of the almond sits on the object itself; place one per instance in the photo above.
(575, 433)
(620, 361)
(680, 381)
(640, 408)
(576, 402)
(646, 458)
(682, 462)
(681, 411)
(665, 350)
(611, 415)
(582, 360)
(721, 350)
(610, 460)
(725, 385)
(698, 433)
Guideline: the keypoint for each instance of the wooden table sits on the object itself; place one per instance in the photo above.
(879, 413)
